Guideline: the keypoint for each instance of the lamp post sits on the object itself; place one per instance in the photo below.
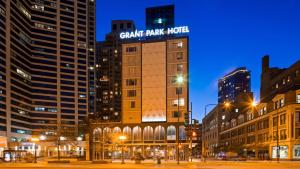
(122, 138)
(35, 140)
(179, 81)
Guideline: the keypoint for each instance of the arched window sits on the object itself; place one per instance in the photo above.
(117, 130)
(127, 132)
(159, 133)
(137, 133)
(148, 133)
(107, 134)
(171, 133)
(97, 134)
(182, 133)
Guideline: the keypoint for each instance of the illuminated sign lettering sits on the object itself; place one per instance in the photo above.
(154, 32)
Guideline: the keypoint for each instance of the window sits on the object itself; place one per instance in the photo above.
(283, 134)
(132, 104)
(179, 90)
(179, 55)
(2, 11)
(39, 108)
(181, 102)
(179, 45)
(281, 102)
(282, 119)
(131, 82)
(275, 121)
(179, 68)
(297, 132)
(38, 7)
(114, 27)
(23, 74)
(176, 114)
(249, 116)
(297, 117)
(130, 49)
(298, 98)
(131, 93)
(24, 10)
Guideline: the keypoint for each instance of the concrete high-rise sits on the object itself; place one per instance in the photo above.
(109, 72)
(47, 66)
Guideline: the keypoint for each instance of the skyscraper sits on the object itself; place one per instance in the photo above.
(108, 70)
(233, 84)
(160, 17)
(48, 59)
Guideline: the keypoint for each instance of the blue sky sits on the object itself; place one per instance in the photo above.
(224, 34)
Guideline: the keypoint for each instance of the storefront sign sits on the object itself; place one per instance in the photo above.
(154, 32)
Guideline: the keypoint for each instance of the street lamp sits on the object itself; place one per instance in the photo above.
(35, 140)
(179, 82)
(122, 138)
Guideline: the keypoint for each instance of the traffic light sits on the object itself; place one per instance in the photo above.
(186, 119)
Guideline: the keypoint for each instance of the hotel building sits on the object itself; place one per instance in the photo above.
(46, 62)
(150, 98)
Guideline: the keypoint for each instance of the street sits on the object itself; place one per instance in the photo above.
(172, 165)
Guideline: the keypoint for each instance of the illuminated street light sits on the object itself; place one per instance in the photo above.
(62, 138)
(253, 104)
(122, 138)
(79, 138)
(227, 104)
(42, 137)
(194, 134)
(179, 79)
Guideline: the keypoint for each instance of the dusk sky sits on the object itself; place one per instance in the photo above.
(224, 34)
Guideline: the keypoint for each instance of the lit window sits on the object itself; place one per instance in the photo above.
(2, 11)
(24, 10)
(179, 67)
(179, 55)
(23, 74)
(236, 110)
(181, 102)
(39, 108)
(298, 98)
(281, 102)
(52, 110)
(38, 7)
(180, 45)
(82, 96)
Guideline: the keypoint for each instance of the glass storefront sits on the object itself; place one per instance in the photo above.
(283, 152)
(296, 152)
